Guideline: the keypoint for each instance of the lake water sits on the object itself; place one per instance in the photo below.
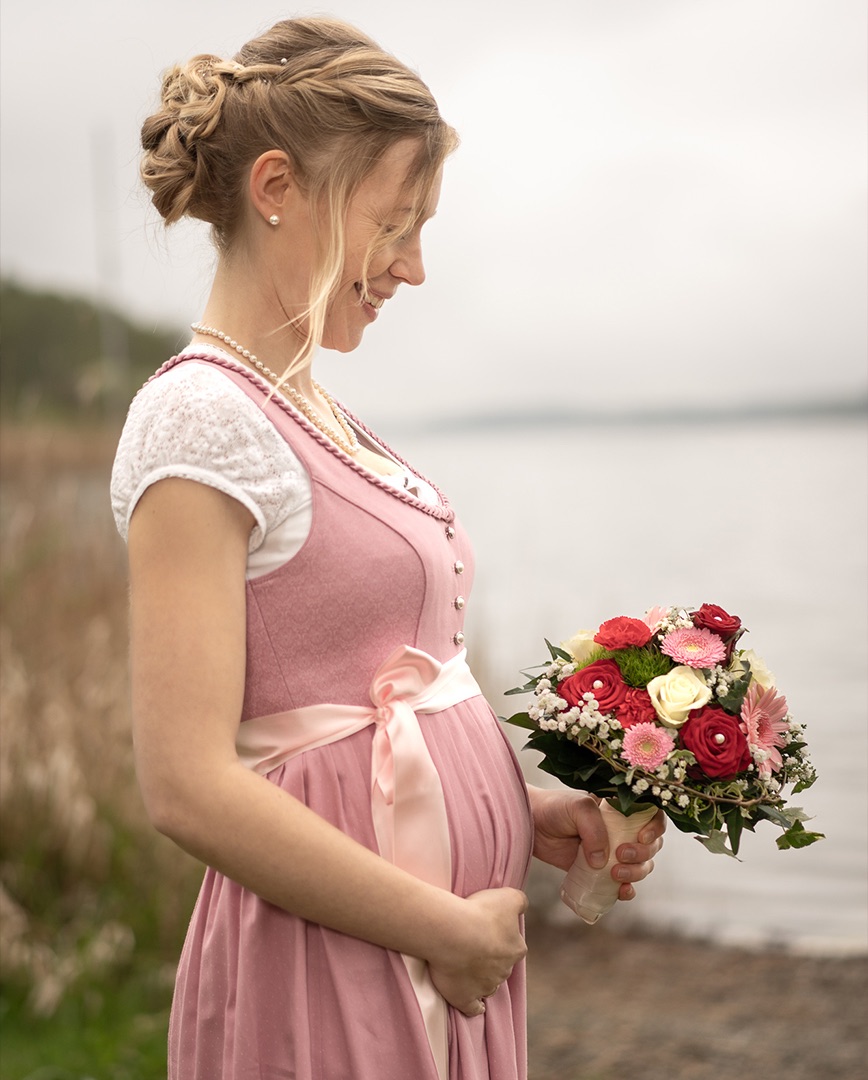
(766, 518)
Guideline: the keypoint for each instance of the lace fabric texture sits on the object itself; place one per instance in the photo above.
(195, 424)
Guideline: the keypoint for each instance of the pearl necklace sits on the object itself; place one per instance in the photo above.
(347, 442)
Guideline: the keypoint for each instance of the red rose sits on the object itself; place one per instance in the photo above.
(602, 679)
(636, 708)
(712, 617)
(621, 632)
(716, 741)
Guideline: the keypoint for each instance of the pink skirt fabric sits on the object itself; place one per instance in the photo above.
(264, 995)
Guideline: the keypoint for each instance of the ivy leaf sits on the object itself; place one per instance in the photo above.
(797, 836)
(775, 815)
(716, 844)
(734, 697)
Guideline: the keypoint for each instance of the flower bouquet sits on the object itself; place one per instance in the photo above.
(666, 711)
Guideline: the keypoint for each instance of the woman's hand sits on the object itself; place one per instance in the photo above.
(490, 945)
(565, 819)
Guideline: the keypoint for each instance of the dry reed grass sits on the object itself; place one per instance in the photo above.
(86, 885)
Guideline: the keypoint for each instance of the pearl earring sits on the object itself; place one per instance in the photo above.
(274, 220)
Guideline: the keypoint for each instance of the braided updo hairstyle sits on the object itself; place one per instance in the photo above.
(315, 88)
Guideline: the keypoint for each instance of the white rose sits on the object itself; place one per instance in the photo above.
(581, 645)
(758, 669)
(675, 694)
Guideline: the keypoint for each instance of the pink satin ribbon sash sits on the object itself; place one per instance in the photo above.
(407, 803)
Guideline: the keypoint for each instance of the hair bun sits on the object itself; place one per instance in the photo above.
(191, 105)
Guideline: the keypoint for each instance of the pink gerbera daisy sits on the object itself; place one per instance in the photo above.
(646, 746)
(762, 721)
(694, 647)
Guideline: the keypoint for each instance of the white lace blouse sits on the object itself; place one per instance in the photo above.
(196, 424)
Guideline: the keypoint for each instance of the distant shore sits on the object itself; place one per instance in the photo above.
(604, 1006)
(554, 417)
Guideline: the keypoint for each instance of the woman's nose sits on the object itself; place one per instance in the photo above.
(408, 265)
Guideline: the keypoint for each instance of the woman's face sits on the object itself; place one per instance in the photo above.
(379, 207)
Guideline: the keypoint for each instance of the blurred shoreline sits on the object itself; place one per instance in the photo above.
(603, 1005)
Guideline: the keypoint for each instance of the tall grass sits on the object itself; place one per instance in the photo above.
(92, 899)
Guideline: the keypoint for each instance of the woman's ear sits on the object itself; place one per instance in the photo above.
(271, 184)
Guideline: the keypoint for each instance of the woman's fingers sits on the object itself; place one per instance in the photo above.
(493, 945)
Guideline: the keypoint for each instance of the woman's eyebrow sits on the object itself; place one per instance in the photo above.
(412, 210)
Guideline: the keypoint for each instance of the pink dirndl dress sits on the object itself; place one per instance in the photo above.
(262, 994)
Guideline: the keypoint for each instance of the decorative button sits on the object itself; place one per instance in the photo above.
(458, 567)
(459, 638)
(450, 533)
(458, 602)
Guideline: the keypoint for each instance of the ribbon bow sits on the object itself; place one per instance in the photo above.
(407, 803)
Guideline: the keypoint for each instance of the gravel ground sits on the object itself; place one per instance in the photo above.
(605, 1007)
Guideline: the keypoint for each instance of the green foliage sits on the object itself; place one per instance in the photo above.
(593, 656)
(734, 696)
(639, 665)
(716, 843)
(734, 825)
(575, 764)
(526, 689)
(65, 353)
(557, 653)
(115, 1030)
(520, 719)
(797, 836)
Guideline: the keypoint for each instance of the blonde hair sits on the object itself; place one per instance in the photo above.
(319, 90)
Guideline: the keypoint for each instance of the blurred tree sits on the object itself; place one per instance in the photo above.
(52, 353)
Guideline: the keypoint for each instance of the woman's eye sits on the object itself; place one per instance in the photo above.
(396, 231)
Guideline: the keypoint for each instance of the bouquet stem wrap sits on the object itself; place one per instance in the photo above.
(591, 893)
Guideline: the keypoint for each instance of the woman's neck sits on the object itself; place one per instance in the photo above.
(249, 311)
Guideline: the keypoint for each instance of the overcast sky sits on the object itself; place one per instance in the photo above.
(655, 201)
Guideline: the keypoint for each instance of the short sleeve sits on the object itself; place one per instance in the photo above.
(196, 424)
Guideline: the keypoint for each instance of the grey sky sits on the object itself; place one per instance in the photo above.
(655, 201)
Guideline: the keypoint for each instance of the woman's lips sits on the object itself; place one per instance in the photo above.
(372, 300)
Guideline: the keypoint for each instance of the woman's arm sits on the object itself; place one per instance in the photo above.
(187, 552)
(564, 819)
